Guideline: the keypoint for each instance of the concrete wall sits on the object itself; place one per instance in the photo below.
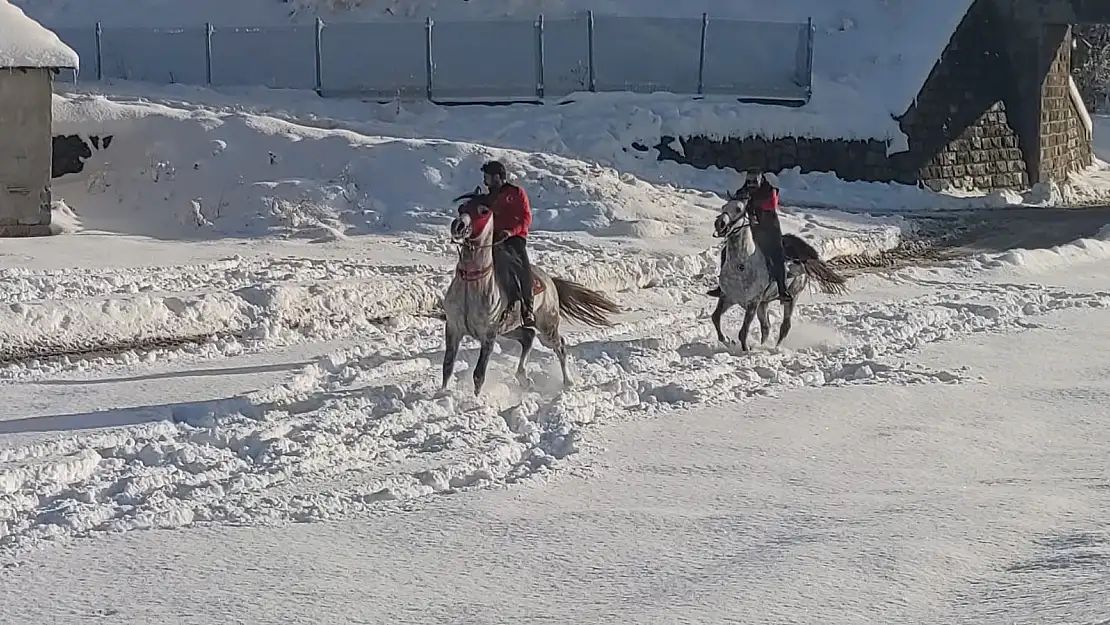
(25, 139)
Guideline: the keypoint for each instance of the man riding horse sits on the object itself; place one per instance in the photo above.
(512, 215)
(761, 193)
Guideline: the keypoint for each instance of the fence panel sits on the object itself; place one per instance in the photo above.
(83, 42)
(381, 59)
(756, 59)
(646, 54)
(158, 55)
(279, 57)
(566, 56)
(488, 59)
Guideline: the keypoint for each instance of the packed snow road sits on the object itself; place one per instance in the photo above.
(361, 428)
(905, 458)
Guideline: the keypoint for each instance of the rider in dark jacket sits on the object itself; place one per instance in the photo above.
(762, 208)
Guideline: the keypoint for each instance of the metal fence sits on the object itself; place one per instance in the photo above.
(502, 60)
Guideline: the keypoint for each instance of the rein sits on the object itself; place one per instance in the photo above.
(736, 226)
(473, 275)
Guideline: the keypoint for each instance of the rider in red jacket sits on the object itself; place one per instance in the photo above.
(512, 216)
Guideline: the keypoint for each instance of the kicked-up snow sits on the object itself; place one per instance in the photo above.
(364, 427)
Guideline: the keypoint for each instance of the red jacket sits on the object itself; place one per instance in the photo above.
(765, 198)
(511, 211)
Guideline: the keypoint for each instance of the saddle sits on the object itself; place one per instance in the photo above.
(537, 285)
(504, 274)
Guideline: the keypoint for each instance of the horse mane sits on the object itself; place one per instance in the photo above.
(476, 194)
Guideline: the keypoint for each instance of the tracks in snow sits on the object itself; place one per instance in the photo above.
(365, 429)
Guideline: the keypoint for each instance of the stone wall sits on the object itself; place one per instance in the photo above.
(1064, 143)
(993, 113)
(852, 160)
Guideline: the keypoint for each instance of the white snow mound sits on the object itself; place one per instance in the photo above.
(26, 43)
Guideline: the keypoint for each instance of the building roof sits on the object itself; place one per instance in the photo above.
(26, 43)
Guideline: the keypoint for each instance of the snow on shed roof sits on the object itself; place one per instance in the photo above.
(26, 43)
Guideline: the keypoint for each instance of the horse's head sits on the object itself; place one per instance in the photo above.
(733, 214)
(474, 216)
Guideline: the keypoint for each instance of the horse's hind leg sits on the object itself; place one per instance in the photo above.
(480, 366)
(787, 314)
(525, 339)
(451, 340)
(551, 339)
(749, 315)
(560, 349)
(764, 322)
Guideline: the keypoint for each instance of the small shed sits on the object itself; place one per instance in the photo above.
(30, 58)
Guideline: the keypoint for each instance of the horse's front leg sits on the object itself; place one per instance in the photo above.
(749, 314)
(722, 307)
(451, 338)
(483, 362)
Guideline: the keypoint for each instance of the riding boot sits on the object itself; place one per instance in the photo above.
(527, 316)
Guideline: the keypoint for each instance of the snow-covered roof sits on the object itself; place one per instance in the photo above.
(26, 43)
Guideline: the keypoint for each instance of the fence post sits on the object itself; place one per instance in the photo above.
(701, 54)
(590, 48)
(429, 62)
(318, 67)
(99, 53)
(811, 33)
(539, 57)
(208, 53)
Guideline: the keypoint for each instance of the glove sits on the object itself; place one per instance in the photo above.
(500, 236)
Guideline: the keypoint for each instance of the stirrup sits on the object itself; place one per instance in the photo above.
(528, 322)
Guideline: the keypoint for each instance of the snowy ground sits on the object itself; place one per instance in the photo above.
(903, 461)
(900, 457)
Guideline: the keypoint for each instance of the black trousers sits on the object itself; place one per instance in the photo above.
(517, 274)
(767, 232)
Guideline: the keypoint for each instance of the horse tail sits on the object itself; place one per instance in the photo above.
(585, 305)
(828, 280)
(796, 248)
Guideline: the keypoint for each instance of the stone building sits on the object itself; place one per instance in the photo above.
(998, 110)
(30, 57)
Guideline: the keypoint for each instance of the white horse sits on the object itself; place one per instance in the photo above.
(475, 303)
(746, 281)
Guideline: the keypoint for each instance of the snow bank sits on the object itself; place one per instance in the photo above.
(371, 415)
(602, 128)
(1035, 261)
(189, 174)
(196, 173)
(26, 43)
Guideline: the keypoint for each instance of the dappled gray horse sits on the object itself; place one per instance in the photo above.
(746, 281)
(476, 303)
